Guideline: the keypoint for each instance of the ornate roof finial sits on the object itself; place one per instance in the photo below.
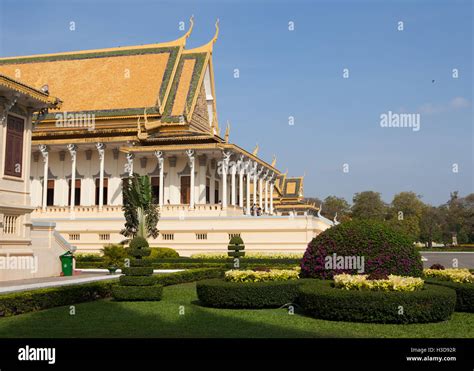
(274, 160)
(336, 222)
(255, 150)
(319, 210)
(191, 26)
(214, 39)
(227, 132)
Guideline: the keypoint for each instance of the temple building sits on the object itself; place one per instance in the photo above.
(151, 110)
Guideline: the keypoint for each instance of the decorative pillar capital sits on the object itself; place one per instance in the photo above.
(44, 151)
(101, 149)
(72, 148)
(160, 157)
(191, 158)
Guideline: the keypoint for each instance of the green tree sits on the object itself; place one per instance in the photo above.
(368, 205)
(459, 218)
(333, 205)
(141, 214)
(409, 225)
(408, 203)
(405, 213)
(431, 224)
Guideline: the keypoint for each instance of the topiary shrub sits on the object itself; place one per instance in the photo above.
(320, 299)
(138, 282)
(219, 293)
(383, 250)
(236, 247)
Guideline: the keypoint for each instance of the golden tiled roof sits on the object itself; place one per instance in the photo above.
(50, 101)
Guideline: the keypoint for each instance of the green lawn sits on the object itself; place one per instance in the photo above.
(106, 318)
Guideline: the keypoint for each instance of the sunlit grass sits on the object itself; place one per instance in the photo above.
(179, 315)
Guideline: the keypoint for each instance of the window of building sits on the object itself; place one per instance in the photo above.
(14, 146)
(74, 236)
(201, 236)
(10, 224)
(155, 189)
(216, 192)
(106, 188)
(168, 236)
(104, 236)
(208, 190)
(77, 192)
(50, 193)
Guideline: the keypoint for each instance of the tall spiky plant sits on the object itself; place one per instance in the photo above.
(141, 214)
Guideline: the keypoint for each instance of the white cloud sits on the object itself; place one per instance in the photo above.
(453, 105)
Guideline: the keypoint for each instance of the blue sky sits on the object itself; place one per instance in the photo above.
(300, 73)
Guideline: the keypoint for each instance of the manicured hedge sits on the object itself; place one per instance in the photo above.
(35, 300)
(137, 293)
(138, 271)
(222, 294)
(464, 293)
(137, 280)
(321, 300)
(188, 276)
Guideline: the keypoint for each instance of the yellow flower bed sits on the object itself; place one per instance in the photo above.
(393, 283)
(253, 255)
(457, 275)
(261, 276)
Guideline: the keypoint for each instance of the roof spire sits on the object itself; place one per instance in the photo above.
(274, 160)
(191, 25)
(255, 150)
(227, 132)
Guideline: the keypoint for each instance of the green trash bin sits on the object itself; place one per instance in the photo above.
(66, 263)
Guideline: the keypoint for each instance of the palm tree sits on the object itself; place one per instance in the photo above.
(141, 214)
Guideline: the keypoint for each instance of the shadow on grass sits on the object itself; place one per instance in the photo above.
(176, 316)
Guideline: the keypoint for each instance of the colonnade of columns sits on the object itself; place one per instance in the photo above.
(240, 170)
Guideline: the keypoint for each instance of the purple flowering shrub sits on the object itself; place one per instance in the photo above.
(384, 252)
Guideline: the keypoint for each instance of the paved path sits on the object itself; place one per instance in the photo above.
(83, 276)
(464, 259)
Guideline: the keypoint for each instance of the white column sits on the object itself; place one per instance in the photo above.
(44, 152)
(191, 159)
(161, 160)
(271, 196)
(232, 185)
(101, 149)
(129, 164)
(241, 181)
(260, 187)
(224, 166)
(248, 168)
(255, 176)
(72, 148)
(266, 193)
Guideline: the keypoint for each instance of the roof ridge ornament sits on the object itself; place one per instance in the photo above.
(227, 132)
(255, 150)
(274, 160)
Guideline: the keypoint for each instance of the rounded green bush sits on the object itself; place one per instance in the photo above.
(163, 253)
(140, 263)
(321, 300)
(222, 294)
(138, 271)
(137, 293)
(137, 280)
(138, 242)
(464, 293)
(384, 250)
